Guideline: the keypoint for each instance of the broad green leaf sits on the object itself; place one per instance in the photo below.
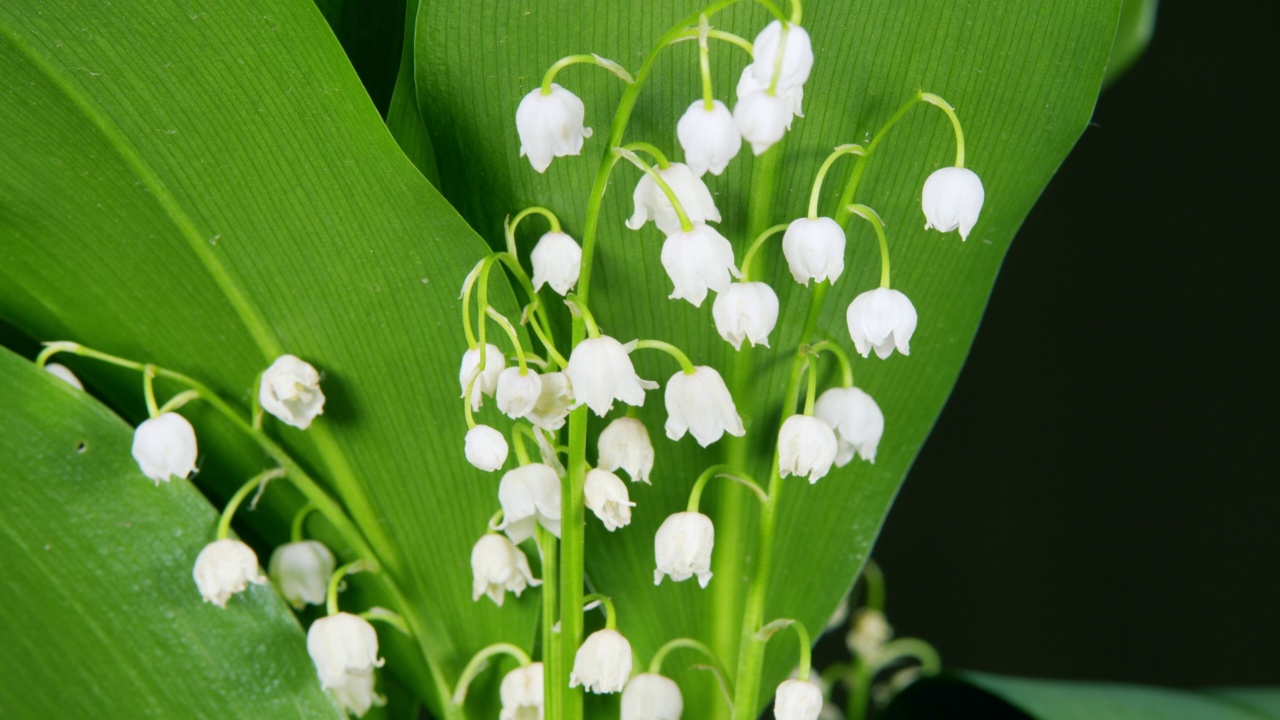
(101, 616)
(403, 117)
(1024, 78)
(1264, 701)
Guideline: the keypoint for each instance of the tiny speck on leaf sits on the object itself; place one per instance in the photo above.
(82, 446)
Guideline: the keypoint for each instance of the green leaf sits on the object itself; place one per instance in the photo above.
(102, 617)
(370, 34)
(1264, 701)
(403, 118)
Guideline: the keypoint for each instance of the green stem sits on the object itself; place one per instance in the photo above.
(259, 480)
(822, 174)
(903, 648)
(685, 224)
(846, 367)
(610, 614)
(704, 64)
(855, 177)
(478, 663)
(547, 548)
(652, 151)
(811, 393)
(955, 123)
(721, 471)
(669, 349)
(550, 216)
(517, 441)
(184, 397)
(506, 325)
(655, 665)
(872, 217)
(860, 690)
(550, 346)
(466, 305)
(297, 529)
(596, 60)
(149, 390)
(755, 248)
(335, 580)
(579, 303)
(796, 12)
(806, 645)
(874, 580)
(383, 615)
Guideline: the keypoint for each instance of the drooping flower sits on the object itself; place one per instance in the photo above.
(522, 693)
(63, 373)
(290, 390)
(682, 548)
(793, 97)
(696, 261)
(650, 696)
(487, 383)
(165, 446)
(529, 495)
(797, 700)
(224, 568)
(746, 311)
(882, 319)
(600, 371)
(550, 125)
(795, 49)
(952, 199)
(763, 119)
(603, 663)
(709, 137)
(557, 261)
(870, 632)
(301, 571)
(606, 496)
(553, 402)
(814, 249)
(806, 446)
(652, 203)
(857, 420)
(498, 566)
(486, 448)
(625, 444)
(518, 391)
(699, 403)
(344, 648)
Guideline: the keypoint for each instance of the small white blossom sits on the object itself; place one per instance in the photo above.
(603, 663)
(699, 403)
(709, 137)
(224, 568)
(682, 548)
(763, 119)
(165, 446)
(882, 319)
(696, 261)
(814, 249)
(606, 496)
(486, 448)
(806, 446)
(625, 444)
(557, 261)
(653, 204)
(600, 371)
(498, 566)
(746, 311)
(290, 390)
(857, 420)
(553, 402)
(649, 696)
(63, 373)
(518, 391)
(796, 52)
(301, 571)
(344, 648)
(522, 693)
(487, 383)
(797, 700)
(529, 495)
(869, 634)
(550, 125)
(794, 97)
(952, 199)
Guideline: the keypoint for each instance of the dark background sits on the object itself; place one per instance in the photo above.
(1099, 498)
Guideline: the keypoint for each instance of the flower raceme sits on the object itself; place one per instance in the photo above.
(700, 404)
(223, 568)
(344, 648)
(881, 319)
(165, 446)
(499, 567)
(650, 696)
(550, 125)
(653, 204)
(600, 371)
(606, 496)
(301, 571)
(603, 663)
(951, 200)
(290, 390)
(625, 444)
(710, 138)
(698, 260)
(682, 548)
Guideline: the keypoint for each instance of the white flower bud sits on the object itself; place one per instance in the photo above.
(557, 260)
(486, 448)
(701, 404)
(696, 261)
(797, 700)
(344, 648)
(682, 548)
(600, 371)
(763, 119)
(882, 319)
(625, 444)
(603, 663)
(952, 199)
(487, 383)
(814, 249)
(869, 634)
(606, 496)
(290, 390)
(746, 311)
(63, 373)
(649, 696)
(550, 125)
(856, 419)
(653, 204)
(224, 568)
(529, 495)
(553, 402)
(797, 56)
(498, 566)
(165, 446)
(518, 391)
(522, 693)
(301, 571)
(806, 446)
(709, 137)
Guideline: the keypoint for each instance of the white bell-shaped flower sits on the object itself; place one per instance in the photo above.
(529, 495)
(696, 261)
(498, 566)
(952, 199)
(763, 119)
(682, 548)
(165, 446)
(871, 630)
(625, 444)
(487, 383)
(709, 137)
(882, 319)
(600, 371)
(653, 204)
(522, 693)
(794, 97)
(806, 446)
(814, 249)
(224, 568)
(650, 696)
(857, 420)
(797, 700)
(603, 663)
(63, 373)
(557, 261)
(553, 402)
(606, 496)
(796, 52)
(290, 390)
(486, 448)
(550, 126)
(518, 391)
(301, 571)
(699, 403)
(746, 311)
(344, 648)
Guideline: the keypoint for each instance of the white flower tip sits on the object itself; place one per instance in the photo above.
(63, 373)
